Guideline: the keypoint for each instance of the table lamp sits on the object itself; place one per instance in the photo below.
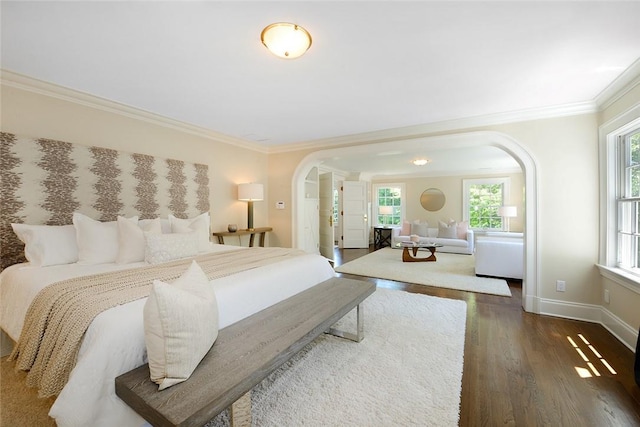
(508, 212)
(250, 193)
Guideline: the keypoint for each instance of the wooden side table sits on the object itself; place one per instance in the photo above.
(262, 231)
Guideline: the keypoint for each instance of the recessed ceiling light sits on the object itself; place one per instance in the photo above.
(420, 162)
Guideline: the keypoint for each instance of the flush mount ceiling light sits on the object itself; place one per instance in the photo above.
(420, 162)
(286, 40)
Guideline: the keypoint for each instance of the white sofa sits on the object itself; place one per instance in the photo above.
(500, 257)
(454, 246)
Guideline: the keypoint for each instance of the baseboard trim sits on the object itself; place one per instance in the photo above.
(593, 313)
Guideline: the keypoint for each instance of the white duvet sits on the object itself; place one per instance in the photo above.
(114, 342)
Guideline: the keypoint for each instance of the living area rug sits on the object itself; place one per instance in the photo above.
(453, 271)
(406, 371)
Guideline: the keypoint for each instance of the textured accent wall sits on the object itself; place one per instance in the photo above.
(43, 181)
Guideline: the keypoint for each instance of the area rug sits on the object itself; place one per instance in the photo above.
(453, 271)
(406, 371)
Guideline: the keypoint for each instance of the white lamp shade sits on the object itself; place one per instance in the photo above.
(250, 192)
(385, 210)
(286, 40)
(508, 211)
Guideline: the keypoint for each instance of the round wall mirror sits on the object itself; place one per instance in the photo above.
(432, 199)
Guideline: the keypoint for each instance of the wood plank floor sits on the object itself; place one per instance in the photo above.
(521, 369)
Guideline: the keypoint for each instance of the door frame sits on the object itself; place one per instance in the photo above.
(530, 285)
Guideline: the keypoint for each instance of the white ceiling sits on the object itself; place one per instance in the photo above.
(372, 66)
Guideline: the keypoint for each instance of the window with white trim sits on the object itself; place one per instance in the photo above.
(388, 204)
(482, 199)
(628, 201)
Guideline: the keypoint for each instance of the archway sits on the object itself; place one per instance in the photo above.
(530, 288)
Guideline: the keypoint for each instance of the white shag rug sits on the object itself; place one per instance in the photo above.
(406, 371)
(453, 271)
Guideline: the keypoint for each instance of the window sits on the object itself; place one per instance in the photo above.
(482, 199)
(628, 201)
(388, 203)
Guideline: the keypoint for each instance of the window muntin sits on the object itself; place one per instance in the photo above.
(389, 197)
(482, 199)
(628, 202)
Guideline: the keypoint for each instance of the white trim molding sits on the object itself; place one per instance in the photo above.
(40, 87)
(594, 314)
(418, 131)
(530, 285)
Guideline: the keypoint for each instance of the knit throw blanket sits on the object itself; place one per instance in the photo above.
(60, 314)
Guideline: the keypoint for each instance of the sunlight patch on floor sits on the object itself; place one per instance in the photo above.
(591, 370)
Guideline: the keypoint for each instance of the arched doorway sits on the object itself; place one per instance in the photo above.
(530, 288)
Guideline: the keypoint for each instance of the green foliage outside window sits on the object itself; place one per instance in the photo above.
(484, 201)
(389, 196)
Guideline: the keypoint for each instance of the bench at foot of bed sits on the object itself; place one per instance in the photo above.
(243, 355)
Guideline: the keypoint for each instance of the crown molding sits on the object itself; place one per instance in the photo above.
(624, 83)
(420, 131)
(20, 81)
(442, 174)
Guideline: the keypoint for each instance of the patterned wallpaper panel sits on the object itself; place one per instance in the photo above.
(43, 181)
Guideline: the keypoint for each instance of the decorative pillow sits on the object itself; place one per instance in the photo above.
(447, 231)
(165, 225)
(97, 241)
(180, 326)
(462, 229)
(406, 228)
(420, 229)
(199, 224)
(166, 247)
(48, 244)
(131, 242)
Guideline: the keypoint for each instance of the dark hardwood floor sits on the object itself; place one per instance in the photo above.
(522, 369)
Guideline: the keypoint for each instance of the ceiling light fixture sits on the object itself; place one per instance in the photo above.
(286, 40)
(420, 162)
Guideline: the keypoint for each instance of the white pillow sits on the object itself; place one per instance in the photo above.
(97, 241)
(447, 231)
(131, 242)
(420, 228)
(199, 224)
(166, 247)
(180, 326)
(48, 244)
(164, 223)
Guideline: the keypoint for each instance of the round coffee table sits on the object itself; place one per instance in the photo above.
(411, 256)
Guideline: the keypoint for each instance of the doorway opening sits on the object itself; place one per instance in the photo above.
(530, 288)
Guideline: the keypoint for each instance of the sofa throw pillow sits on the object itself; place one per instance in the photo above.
(97, 241)
(48, 244)
(199, 224)
(462, 228)
(167, 247)
(131, 241)
(180, 326)
(406, 228)
(447, 231)
(420, 229)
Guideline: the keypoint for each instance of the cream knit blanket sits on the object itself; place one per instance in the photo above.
(61, 313)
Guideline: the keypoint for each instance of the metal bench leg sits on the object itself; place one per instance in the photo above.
(240, 411)
(359, 335)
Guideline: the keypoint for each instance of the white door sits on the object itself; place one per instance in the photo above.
(355, 224)
(311, 226)
(326, 215)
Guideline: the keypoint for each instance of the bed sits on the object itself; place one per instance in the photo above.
(114, 341)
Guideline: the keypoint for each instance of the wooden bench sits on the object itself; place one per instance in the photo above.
(243, 355)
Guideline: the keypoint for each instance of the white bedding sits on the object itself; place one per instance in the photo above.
(114, 342)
